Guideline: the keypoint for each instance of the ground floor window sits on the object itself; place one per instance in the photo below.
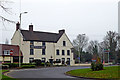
(63, 60)
(44, 60)
(68, 61)
(30, 60)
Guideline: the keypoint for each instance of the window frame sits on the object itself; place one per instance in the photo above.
(31, 59)
(43, 51)
(63, 52)
(68, 52)
(57, 52)
(6, 52)
(43, 43)
(32, 52)
(64, 43)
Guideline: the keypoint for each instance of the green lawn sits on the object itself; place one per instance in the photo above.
(6, 77)
(112, 72)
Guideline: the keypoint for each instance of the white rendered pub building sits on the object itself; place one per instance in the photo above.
(45, 46)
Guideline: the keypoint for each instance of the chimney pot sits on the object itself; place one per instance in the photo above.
(31, 27)
(17, 26)
(62, 31)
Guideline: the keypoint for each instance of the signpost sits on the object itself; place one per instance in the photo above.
(107, 51)
(11, 53)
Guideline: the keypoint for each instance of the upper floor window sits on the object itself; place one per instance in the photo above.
(63, 52)
(31, 52)
(43, 43)
(6, 52)
(43, 51)
(31, 43)
(57, 52)
(68, 52)
(64, 43)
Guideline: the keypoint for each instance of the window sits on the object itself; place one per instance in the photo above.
(68, 52)
(57, 52)
(31, 52)
(63, 52)
(68, 61)
(44, 60)
(43, 51)
(64, 43)
(43, 43)
(58, 60)
(63, 60)
(31, 43)
(30, 60)
(6, 52)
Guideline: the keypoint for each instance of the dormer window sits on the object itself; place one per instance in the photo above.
(64, 43)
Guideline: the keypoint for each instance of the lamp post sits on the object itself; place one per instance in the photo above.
(20, 39)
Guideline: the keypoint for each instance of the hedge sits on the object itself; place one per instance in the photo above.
(28, 66)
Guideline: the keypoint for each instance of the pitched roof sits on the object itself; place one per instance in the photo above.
(15, 49)
(41, 36)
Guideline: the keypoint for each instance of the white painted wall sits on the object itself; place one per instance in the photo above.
(50, 48)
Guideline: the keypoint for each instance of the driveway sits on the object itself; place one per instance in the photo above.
(50, 72)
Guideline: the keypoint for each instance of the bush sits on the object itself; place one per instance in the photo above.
(28, 66)
(5, 66)
(11, 65)
(37, 62)
(42, 64)
(96, 66)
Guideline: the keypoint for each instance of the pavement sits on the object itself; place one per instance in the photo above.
(49, 72)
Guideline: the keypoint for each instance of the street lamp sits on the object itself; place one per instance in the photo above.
(20, 39)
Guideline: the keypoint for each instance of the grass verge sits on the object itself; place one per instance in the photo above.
(112, 72)
(6, 77)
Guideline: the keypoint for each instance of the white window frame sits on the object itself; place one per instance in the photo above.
(6, 52)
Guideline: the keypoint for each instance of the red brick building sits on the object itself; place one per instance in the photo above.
(9, 53)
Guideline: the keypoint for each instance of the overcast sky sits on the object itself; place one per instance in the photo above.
(91, 17)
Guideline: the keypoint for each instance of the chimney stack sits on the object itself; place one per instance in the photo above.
(17, 26)
(31, 27)
(62, 31)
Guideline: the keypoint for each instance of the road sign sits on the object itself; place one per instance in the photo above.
(106, 50)
(78, 58)
(11, 52)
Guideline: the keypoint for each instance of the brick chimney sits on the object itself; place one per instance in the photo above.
(17, 26)
(31, 27)
(62, 31)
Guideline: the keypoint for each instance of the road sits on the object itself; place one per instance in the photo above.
(50, 72)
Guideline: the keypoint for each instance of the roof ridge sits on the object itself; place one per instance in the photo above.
(41, 32)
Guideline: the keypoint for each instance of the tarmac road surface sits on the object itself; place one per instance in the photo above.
(49, 72)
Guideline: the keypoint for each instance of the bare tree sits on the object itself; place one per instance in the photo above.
(6, 9)
(80, 42)
(93, 47)
(111, 42)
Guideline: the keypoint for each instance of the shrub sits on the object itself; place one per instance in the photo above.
(28, 66)
(28, 63)
(96, 66)
(11, 65)
(42, 64)
(37, 62)
(5, 66)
